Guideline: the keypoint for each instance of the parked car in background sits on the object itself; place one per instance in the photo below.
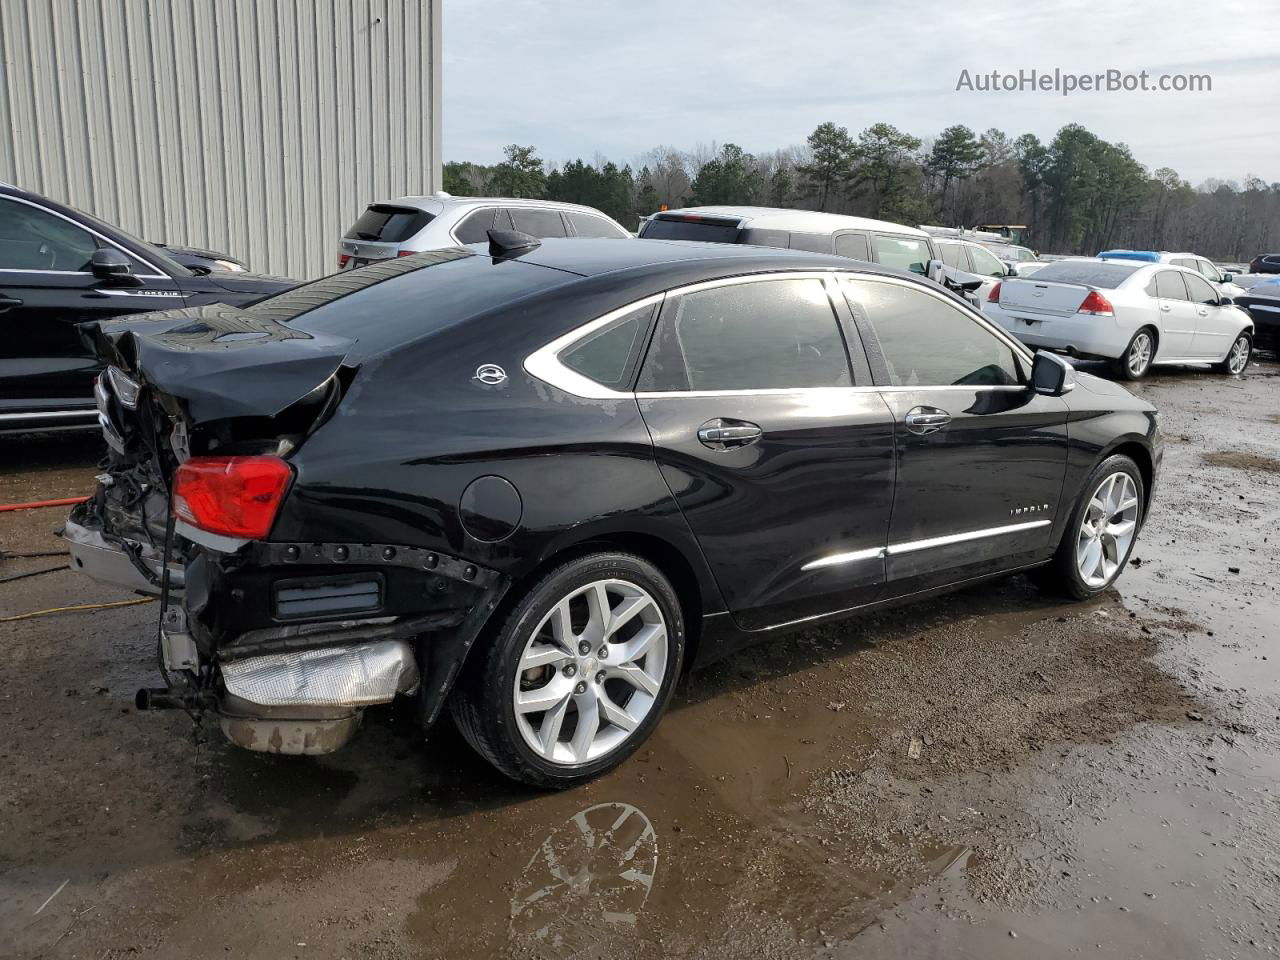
(1018, 260)
(1222, 282)
(587, 466)
(967, 261)
(1265, 263)
(411, 224)
(1129, 311)
(1262, 301)
(201, 260)
(60, 268)
(859, 238)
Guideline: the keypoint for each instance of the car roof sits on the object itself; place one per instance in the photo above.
(800, 221)
(436, 203)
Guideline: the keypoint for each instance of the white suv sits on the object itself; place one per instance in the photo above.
(410, 224)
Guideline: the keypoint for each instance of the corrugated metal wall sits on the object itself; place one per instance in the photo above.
(260, 128)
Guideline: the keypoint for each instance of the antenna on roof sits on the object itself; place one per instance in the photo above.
(504, 244)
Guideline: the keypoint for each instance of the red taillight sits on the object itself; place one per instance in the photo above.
(342, 260)
(1095, 304)
(405, 253)
(232, 496)
(994, 295)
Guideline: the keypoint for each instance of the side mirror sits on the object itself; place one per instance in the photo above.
(1011, 270)
(108, 263)
(933, 270)
(1052, 375)
(1225, 301)
(1228, 277)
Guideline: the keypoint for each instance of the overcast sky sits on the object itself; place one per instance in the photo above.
(577, 78)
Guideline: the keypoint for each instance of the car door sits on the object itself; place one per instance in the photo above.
(1216, 327)
(47, 290)
(980, 456)
(1176, 315)
(777, 448)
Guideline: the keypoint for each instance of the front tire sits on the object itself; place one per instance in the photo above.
(1134, 363)
(1100, 532)
(577, 674)
(1237, 358)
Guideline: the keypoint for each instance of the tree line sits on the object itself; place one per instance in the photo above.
(1077, 194)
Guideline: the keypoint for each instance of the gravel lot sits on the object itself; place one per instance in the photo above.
(991, 774)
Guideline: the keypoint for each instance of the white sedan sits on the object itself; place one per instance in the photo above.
(1132, 313)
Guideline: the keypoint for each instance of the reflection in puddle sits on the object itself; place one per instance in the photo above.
(597, 866)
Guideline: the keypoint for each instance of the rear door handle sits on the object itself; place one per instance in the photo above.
(1165, 307)
(722, 434)
(925, 420)
(8, 303)
(1202, 311)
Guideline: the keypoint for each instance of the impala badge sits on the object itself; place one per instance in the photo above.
(1033, 508)
(490, 374)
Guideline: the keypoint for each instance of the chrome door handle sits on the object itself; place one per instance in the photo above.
(8, 303)
(925, 420)
(721, 434)
(1165, 307)
(1202, 311)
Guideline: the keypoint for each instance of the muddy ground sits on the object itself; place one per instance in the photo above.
(992, 774)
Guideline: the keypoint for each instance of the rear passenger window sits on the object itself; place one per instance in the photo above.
(537, 223)
(816, 242)
(766, 334)
(605, 355)
(927, 342)
(953, 255)
(1169, 286)
(585, 225)
(1200, 290)
(475, 227)
(853, 245)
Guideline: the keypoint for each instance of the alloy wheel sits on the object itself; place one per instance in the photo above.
(1139, 354)
(591, 672)
(1238, 358)
(1107, 529)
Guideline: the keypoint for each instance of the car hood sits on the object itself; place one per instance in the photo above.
(1099, 387)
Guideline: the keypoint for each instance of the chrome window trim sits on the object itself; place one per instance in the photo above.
(913, 546)
(87, 412)
(75, 223)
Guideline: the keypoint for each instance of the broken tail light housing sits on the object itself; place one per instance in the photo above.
(342, 260)
(994, 295)
(231, 496)
(1096, 305)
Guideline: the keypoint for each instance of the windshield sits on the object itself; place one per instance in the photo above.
(1090, 273)
(708, 231)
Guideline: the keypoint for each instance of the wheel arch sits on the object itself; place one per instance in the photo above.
(1140, 453)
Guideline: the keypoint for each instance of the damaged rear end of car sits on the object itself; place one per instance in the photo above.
(286, 642)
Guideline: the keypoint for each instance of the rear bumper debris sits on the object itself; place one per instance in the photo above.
(108, 562)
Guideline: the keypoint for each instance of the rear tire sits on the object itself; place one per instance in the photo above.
(577, 674)
(1237, 358)
(1100, 533)
(1134, 363)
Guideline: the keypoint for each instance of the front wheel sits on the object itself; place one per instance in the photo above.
(1134, 363)
(1237, 357)
(1100, 532)
(578, 673)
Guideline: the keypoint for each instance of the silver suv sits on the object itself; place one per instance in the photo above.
(409, 224)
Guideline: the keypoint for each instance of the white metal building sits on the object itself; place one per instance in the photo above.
(259, 128)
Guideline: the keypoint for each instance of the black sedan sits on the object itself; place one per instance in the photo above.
(1262, 300)
(61, 268)
(533, 482)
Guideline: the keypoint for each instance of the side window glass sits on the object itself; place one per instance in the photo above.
(766, 334)
(853, 245)
(905, 253)
(1209, 271)
(953, 255)
(585, 225)
(1169, 286)
(985, 263)
(816, 242)
(34, 239)
(605, 355)
(927, 341)
(537, 222)
(475, 227)
(1200, 290)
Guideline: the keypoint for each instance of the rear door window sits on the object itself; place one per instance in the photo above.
(905, 253)
(953, 256)
(538, 222)
(1169, 286)
(761, 335)
(586, 225)
(853, 245)
(605, 356)
(388, 223)
(475, 227)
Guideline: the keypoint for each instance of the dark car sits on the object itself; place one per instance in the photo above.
(61, 268)
(557, 474)
(1262, 300)
(1265, 263)
(202, 261)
